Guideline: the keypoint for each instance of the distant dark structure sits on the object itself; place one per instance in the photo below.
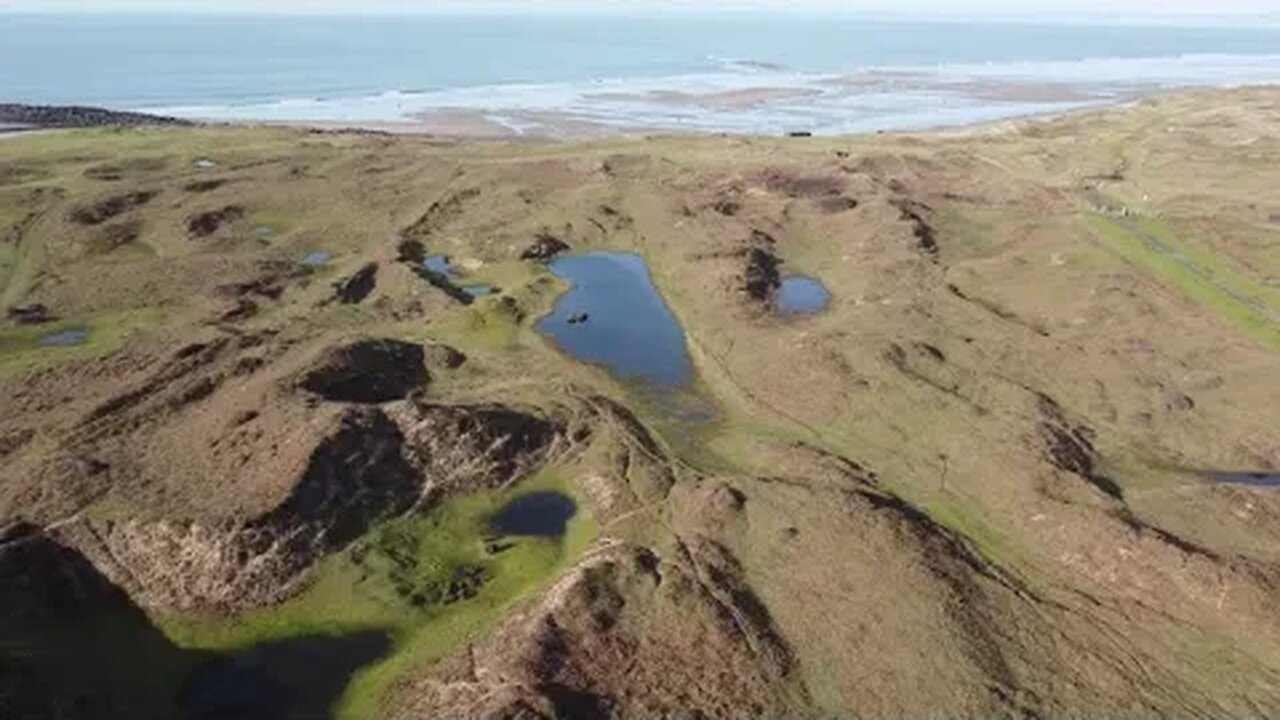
(71, 116)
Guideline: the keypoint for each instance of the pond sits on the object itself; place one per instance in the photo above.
(801, 295)
(613, 316)
(1256, 479)
(317, 258)
(539, 514)
(440, 265)
(66, 338)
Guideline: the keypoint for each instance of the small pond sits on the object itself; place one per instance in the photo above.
(801, 295)
(1256, 479)
(317, 258)
(440, 265)
(539, 514)
(66, 338)
(613, 316)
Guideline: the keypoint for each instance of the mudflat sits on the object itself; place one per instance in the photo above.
(259, 439)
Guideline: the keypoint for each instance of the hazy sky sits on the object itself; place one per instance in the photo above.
(954, 7)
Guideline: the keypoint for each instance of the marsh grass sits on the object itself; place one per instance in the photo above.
(431, 581)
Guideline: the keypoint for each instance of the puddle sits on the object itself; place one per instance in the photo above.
(316, 259)
(447, 279)
(66, 338)
(801, 295)
(1255, 479)
(438, 263)
(262, 232)
(540, 514)
(613, 316)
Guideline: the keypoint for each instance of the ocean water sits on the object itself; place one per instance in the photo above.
(727, 72)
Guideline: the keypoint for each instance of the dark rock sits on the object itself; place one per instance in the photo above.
(544, 248)
(207, 223)
(799, 134)
(357, 287)
(33, 314)
(578, 318)
(368, 371)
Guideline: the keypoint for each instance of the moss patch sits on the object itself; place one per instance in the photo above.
(431, 581)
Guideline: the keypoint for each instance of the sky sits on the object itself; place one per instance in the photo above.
(1022, 8)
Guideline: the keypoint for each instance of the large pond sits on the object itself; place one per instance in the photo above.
(539, 514)
(613, 316)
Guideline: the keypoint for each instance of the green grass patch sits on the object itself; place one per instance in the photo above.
(432, 581)
(23, 348)
(1195, 272)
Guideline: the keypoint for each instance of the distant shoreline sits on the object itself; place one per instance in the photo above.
(479, 125)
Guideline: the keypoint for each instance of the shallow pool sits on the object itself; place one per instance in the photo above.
(801, 295)
(66, 338)
(539, 514)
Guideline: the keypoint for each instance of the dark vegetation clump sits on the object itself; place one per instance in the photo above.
(761, 278)
(441, 213)
(727, 207)
(111, 207)
(913, 213)
(203, 186)
(1070, 447)
(802, 186)
(411, 251)
(207, 223)
(355, 288)
(837, 204)
(544, 248)
(116, 235)
(69, 116)
(33, 314)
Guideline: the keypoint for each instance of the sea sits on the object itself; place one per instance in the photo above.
(764, 72)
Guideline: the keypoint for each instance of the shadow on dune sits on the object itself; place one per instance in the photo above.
(73, 646)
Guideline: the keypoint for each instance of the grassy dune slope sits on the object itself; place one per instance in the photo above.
(972, 486)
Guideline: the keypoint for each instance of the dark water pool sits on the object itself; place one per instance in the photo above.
(539, 514)
(66, 338)
(1256, 479)
(801, 295)
(613, 316)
